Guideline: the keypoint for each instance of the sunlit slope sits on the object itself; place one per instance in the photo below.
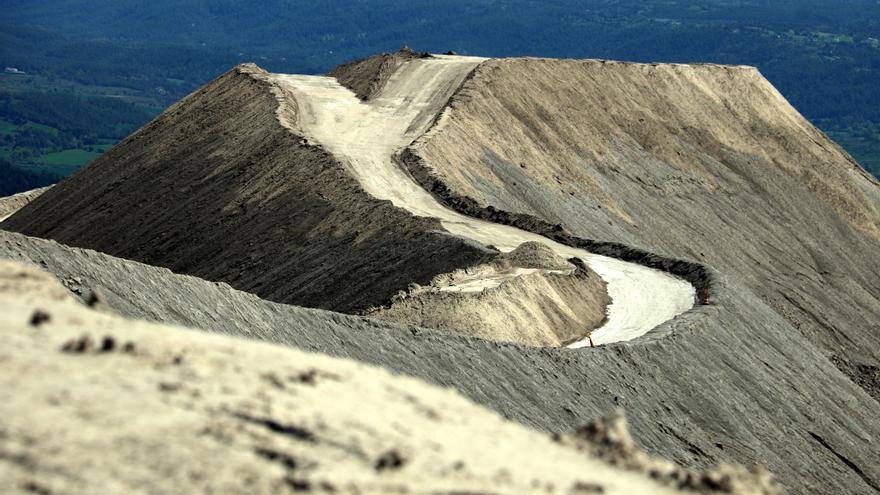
(703, 162)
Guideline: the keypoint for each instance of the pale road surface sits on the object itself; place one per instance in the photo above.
(481, 282)
(366, 135)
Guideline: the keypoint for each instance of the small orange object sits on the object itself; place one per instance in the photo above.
(705, 295)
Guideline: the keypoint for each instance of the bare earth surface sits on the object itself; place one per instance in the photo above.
(367, 135)
(93, 403)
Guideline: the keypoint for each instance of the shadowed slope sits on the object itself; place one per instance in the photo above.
(217, 187)
(368, 76)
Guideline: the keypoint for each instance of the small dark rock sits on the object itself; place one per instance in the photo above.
(108, 344)
(299, 485)
(96, 299)
(282, 458)
(78, 346)
(584, 487)
(390, 460)
(308, 377)
(39, 317)
(169, 387)
(34, 487)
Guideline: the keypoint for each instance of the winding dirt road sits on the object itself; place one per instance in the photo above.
(366, 135)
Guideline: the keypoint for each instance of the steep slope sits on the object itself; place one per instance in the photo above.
(217, 187)
(701, 162)
(185, 411)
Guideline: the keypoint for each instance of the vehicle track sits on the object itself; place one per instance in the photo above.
(365, 136)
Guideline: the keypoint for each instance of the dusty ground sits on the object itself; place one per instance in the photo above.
(93, 403)
(11, 204)
(529, 295)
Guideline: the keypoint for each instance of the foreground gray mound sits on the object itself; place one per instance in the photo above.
(693, 394)
(93, 403)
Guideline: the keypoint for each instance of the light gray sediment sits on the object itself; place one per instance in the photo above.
(694, 393)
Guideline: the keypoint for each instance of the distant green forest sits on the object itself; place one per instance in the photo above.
(89, 72)
(13, 180)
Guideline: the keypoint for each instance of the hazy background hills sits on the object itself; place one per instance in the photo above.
(94, 70)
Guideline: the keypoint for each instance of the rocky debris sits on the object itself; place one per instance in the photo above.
(864, 375)
(92, 403)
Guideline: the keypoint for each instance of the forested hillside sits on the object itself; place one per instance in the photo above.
(142, 56)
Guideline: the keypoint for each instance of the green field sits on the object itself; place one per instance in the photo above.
(58, 170)
(68, 157)
(103, 147)
(7, 127)
(40, 127)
